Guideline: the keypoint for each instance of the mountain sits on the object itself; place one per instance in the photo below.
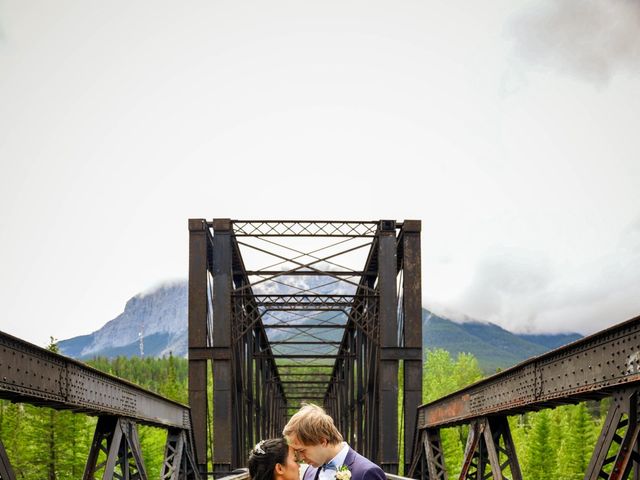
(157, 322)
(494, 347)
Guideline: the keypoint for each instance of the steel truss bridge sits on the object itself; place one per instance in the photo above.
(282, 312)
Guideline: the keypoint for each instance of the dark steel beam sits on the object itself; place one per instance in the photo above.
(387, 447)
(299, 266)
(314, 273)
(593, 365)
(490, 439)
(314, 366)
(302, 325)
(117, 438)
(428, 457)
(306, 297)
(224, 451)
(199, 248)
(300, 355)
(303, 382)
(411, 329)
(307, 302)
(30, 374)
(306, 397)
(618, 441)
(303, 228)
(179, 463)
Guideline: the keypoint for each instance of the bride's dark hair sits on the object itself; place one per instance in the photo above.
(264, 456)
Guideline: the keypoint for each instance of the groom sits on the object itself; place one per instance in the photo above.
(315, 439)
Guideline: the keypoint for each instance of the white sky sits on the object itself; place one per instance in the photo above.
(508, 127)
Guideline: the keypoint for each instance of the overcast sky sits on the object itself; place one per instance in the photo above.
(510, 128)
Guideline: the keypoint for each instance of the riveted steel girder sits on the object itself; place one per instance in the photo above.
(586, 369)
(31, 374)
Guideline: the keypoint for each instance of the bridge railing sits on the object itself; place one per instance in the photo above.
(34, 375)
(606, 364)
(243, 474)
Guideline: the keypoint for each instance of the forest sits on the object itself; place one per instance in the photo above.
(53, 445)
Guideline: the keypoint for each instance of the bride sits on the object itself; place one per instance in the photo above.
(273, 459)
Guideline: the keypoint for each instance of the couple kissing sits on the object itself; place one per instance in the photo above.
(311, 437)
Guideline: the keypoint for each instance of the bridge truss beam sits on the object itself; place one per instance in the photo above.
(30, 374)
(311, 315)
(116, 441)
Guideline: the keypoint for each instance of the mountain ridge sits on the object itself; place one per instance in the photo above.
(155, 324)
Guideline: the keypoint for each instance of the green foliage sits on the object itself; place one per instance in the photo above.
(554, 443)
(45, 444)
(540, 453)
(443, 375)
(53, 445)
(152, 442)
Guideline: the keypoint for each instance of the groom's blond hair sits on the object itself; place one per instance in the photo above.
(311, 425)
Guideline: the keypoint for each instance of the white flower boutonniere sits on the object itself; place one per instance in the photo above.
(343, 473)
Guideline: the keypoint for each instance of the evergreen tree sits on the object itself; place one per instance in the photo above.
(580, 440)
(152, 442)
(443, 375)
(171, 387)
(540, 455)
(12, 423)
(561, 471)
(517, 425)
(557, 419)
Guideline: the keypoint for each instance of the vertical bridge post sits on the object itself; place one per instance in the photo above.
(411, 331)
(224, 434)
(198, 314)
(387, 418)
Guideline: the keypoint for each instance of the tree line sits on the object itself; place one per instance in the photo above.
(43, 443)
(47, 444)
(554, 443)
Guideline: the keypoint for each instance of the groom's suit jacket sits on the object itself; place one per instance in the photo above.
(360, 467)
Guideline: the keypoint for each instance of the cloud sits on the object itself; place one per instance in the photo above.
(502, 284)
(523, 292)
(591, 39)
(162, 285)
